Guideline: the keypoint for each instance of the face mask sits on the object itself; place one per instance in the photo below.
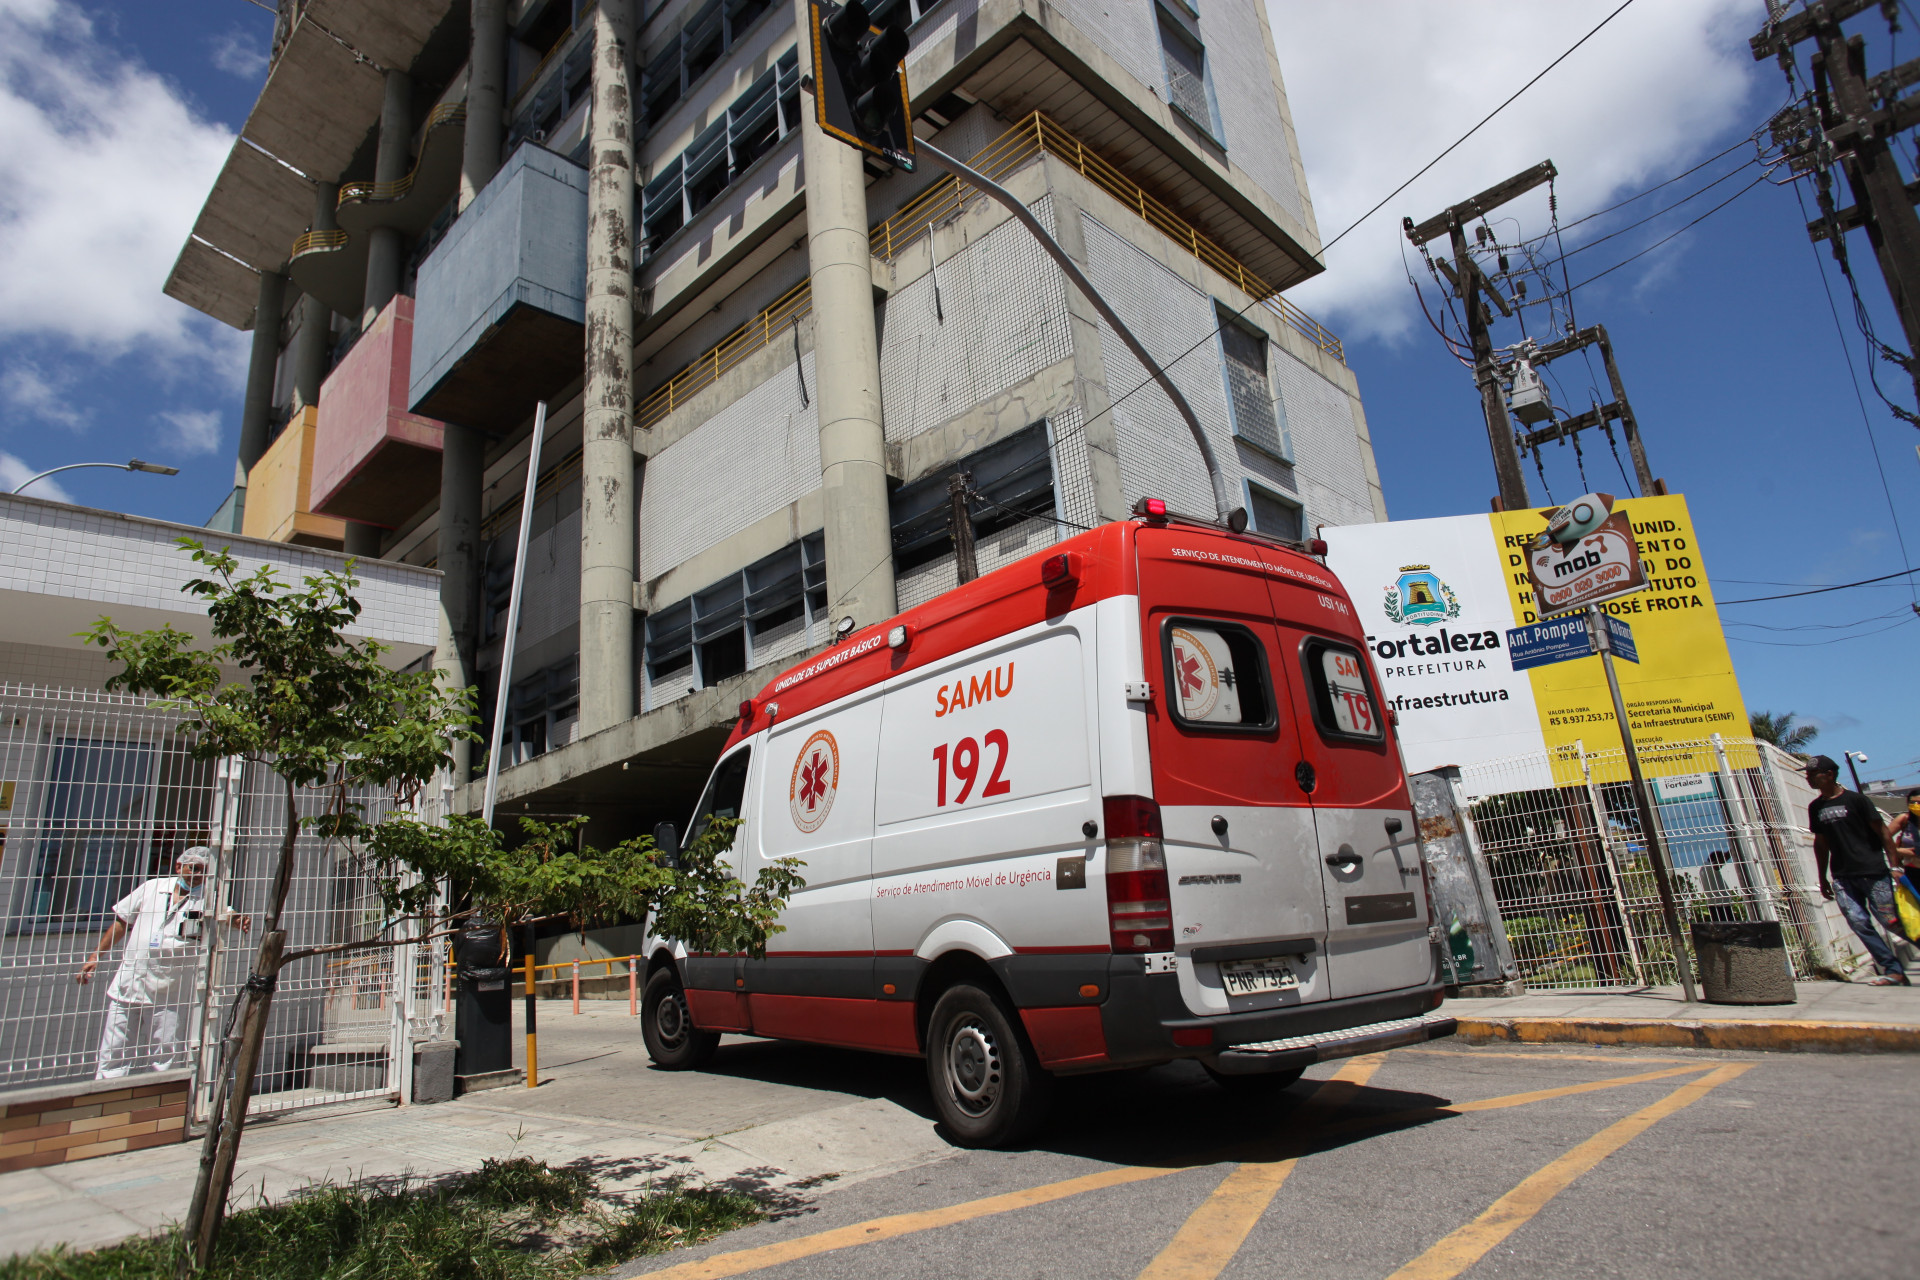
(1914, 810)
(191, 890)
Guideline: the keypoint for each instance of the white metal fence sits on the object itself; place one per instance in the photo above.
(1570, 867)
(98, 793)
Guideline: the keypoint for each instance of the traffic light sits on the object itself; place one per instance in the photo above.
(860, 80)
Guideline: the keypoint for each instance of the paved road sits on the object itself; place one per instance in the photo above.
(1420, 1164)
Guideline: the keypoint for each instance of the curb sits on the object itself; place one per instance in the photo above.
(1779, 1036)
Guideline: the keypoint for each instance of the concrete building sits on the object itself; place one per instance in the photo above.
(441, 212)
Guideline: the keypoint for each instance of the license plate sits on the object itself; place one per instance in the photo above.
(1253, 977)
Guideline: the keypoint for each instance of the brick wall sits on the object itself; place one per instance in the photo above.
(74, 1121)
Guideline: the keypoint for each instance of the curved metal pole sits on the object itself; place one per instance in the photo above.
(507, 643)
(71, 466)
(1222, 506)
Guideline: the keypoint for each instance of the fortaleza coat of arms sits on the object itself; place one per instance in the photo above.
(1418, 598)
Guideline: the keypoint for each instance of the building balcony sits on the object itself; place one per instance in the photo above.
(279, 488)
(500, 303)
(373, 461)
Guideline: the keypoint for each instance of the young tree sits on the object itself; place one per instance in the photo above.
(325, 715)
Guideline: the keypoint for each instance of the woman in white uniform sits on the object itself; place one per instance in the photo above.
(162, 923)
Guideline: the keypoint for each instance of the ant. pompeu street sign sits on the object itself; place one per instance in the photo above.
(1586, 555)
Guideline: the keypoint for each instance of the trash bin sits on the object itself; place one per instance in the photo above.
(1743, 963)
(483, 1012)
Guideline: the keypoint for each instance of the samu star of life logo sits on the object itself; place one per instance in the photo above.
(1196, 675)
(816, 778)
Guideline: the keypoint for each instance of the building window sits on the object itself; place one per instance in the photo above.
(1185, 60)
(749, 128)
(542, 711)
(1275, 516)
(885, 9)
(740, 622)
(1012, 483)
(1257, 413)
(558, 96)
(692, 51)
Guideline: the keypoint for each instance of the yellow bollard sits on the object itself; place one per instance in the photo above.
(576, 988)
(533, 1040)
(633, 987)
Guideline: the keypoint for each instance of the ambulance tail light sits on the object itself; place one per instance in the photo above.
(1056, 569)
(1154, 509)
(1317, 547)
(1139, 904)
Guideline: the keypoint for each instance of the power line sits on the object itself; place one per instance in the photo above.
(1812, 644)
(1476, 128)
(1841, 586)
(1621, 204)
(1901, 612)
(1663, 239)
(1582, 248)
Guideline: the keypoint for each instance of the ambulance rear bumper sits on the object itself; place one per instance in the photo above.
(1145, 1021)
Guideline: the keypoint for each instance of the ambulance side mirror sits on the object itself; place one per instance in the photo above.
(666, 838)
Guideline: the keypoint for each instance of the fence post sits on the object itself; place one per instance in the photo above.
(1739, 830)
(223, 834)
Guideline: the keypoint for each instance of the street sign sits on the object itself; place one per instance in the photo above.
(1586, 554)
(1621, 635)
(1540, 644)
(860, 80)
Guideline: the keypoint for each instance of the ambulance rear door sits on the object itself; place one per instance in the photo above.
(1363, 815)
(1243, 864)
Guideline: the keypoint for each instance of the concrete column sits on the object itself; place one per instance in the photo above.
(315, 338)
(386, 247)
(362, 540)
(257, 407)
(462, 462)
(853, 458)
(607, 507)
(486, 98)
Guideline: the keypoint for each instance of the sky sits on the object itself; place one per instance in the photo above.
(118, 114)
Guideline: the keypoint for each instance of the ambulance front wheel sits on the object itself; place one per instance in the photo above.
(673, 1042)
(987, 1084)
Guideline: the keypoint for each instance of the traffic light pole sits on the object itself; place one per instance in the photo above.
(846, 353)
(1223, 507)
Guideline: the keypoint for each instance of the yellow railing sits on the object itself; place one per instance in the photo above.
(317, 240)
(731, 350)
(444, 114)
(942, 201)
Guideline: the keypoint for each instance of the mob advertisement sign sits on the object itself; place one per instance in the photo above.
(1439, 596)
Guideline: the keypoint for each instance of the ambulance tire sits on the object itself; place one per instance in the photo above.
(1265, 1085)
(988, 1087)
(673, 1042)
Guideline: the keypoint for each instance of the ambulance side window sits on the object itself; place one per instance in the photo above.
(725, 791)
(1216, 676)
(1343, 701)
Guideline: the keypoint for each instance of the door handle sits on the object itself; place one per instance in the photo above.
(1344, 856)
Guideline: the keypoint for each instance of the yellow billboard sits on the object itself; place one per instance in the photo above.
(1683, 688)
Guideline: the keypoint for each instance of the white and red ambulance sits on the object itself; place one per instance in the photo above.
(1130, 800)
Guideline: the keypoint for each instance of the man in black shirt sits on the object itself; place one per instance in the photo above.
(1851, 849)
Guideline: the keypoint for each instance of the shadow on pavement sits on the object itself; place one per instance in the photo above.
(855, 1072)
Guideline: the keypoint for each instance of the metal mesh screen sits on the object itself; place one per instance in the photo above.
(1575, 882)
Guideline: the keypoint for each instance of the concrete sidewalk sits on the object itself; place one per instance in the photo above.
(600, 1106)
(1828, 1017)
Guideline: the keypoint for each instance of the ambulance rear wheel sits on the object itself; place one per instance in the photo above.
(987, 1083)
(673, 1042)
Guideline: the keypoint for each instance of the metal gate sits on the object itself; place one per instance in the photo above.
(1568, 861)
(98, 793)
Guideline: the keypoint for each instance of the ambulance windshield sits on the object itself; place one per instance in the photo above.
(1217, 674)
(724, 793)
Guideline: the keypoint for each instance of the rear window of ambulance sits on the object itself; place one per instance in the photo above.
(1216, 676)
(1343, 702)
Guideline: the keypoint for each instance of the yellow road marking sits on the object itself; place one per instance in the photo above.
(1214, 1232)
(747, 1260)
(1515, 1209)
(1546, 1053)
(900, 1224)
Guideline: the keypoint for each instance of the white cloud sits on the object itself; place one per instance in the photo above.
(46, 394)
(1378, 87)
(192, 431)
(104, 170)
(13, 471)
(238, 54)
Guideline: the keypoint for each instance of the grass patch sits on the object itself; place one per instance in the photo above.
(511, 1220)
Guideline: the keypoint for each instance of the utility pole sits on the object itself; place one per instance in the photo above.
(964, 563)
(1469, 283)
(1854, 119)
(1615, 410)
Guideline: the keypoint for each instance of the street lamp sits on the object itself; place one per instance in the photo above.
(1852, 756)
(132, 464)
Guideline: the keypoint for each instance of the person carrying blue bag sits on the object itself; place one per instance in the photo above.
(1854, 854)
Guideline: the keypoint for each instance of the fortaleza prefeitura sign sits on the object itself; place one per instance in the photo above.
(1437, 598)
